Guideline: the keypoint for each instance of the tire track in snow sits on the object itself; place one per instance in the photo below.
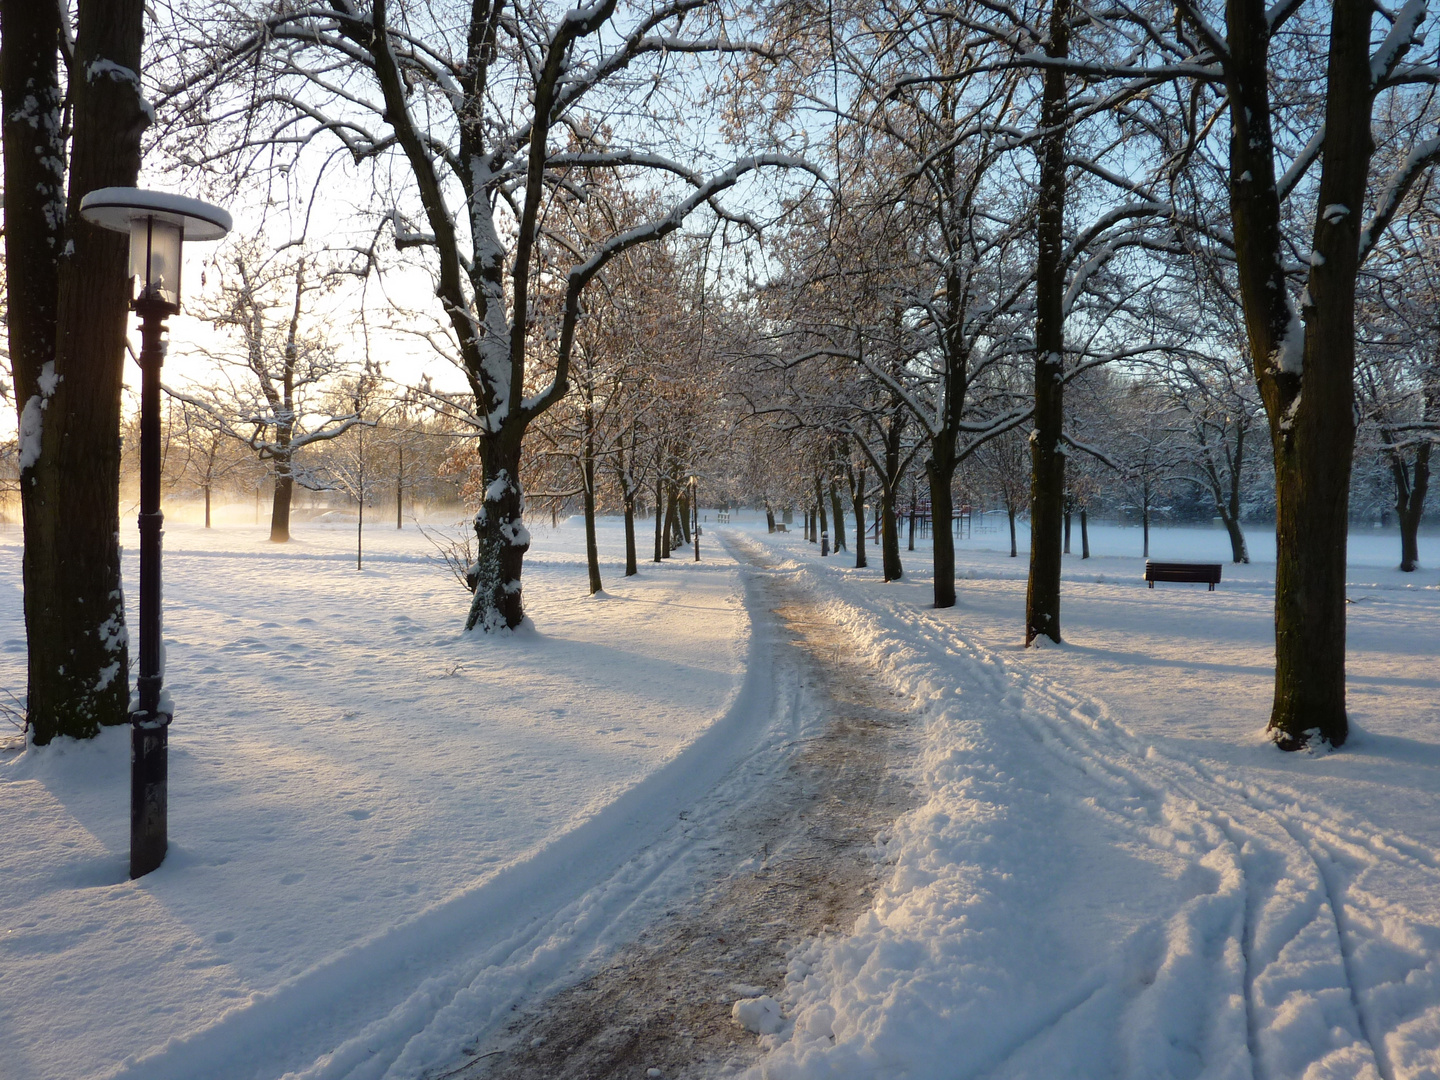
(1300, 920)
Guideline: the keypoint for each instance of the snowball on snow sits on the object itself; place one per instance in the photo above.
(759, 1015)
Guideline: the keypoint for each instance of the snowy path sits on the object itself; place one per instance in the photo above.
(781, 850)
(1106, 906)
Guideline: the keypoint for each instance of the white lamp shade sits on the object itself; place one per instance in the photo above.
(114, 208)
(158, 224)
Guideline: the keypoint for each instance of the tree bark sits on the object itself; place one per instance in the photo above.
(1010, 513)
(632, 565)
(837, 517)
(891, 567)
(857, 500)
(1239, 549)
(399, 486)
(1228, 502)
(682, 519)
(280, 504)
(69, 294)
(1410, 492)
(1047, 463)
(670, 527)
(1309, 399)
(659, 515)
(1084, 533)
(1067, 529)
(207, 506)
(940, 471)
(500, 535)
(587, 472)
(1145, 529)
(820, 508)
(769, 519)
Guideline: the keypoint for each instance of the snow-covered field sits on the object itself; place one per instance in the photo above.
(357, 790)
(1109, 873)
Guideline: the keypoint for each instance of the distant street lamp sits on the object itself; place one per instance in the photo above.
(158, 225)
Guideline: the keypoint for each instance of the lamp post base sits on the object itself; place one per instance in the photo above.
(149, 773)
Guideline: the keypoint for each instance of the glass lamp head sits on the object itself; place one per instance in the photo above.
(155, 251)
(158, 224)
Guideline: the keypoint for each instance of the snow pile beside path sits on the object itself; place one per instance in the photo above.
(1067, 900)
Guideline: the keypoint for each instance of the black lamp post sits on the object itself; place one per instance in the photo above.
(158, 225)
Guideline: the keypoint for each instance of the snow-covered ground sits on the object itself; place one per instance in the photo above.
(384, 834)
(358, 792)
(1111, 873)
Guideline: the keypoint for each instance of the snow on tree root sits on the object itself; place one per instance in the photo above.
(1257, 948)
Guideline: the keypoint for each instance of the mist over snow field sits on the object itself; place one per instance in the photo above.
(384, 833)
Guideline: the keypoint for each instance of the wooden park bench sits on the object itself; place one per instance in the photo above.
(1183, 571)
(780, 527)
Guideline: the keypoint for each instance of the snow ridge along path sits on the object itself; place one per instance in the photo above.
(1071, 900)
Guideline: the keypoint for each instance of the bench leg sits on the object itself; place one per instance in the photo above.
(1149, 584)
(1212, 587)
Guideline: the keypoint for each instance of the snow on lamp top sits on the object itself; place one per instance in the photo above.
(158, 224)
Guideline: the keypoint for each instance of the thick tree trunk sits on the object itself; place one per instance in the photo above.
(820, 508)
(682, 519)
(1239, 550)
(207, 506)
(1067, 530)
(857, 500)
(837, 517)
(69, 293)
(1308, 393)
(632, 562)
(940, 473)
(1010, 513)
(1047, 463)
(670, 526)
(501, 538)
(910, 544)
(891, 567)
(280, 506)
(1084, 533)
(769, 519)
(587, 468)
(1410, 492)
(1145, 530)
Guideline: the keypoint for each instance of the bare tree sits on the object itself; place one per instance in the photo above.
(1280, 108)
(488, 122)
(278, 367)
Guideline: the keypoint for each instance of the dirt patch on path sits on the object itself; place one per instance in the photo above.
(793, 863)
